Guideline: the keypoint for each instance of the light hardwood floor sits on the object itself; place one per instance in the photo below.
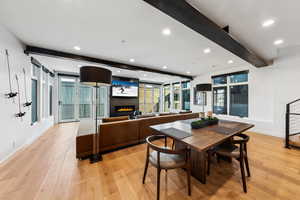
(48, 170)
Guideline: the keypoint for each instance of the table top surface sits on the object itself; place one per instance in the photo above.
(203, 138)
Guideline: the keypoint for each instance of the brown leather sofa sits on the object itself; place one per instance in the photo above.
(118, 134)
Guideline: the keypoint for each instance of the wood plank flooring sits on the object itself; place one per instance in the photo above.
(48, 170)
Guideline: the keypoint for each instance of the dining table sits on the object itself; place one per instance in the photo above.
(199, 141)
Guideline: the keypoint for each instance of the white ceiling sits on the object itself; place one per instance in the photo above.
(98, 27)
(245, 19)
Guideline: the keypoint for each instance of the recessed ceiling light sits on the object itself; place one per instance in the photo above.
(268, 22)
(132, 60)
(145, 74)
(278, 42)
(165, 67)
(188, 72)
(230, 61)
(207, 50)
(77, 48)
(166, 31)
(119, 71)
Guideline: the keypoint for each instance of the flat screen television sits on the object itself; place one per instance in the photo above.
(124, 88)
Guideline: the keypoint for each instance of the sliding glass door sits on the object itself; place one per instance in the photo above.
(77, 101)
(67, 99)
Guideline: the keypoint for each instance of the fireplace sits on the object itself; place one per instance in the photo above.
(125, 109)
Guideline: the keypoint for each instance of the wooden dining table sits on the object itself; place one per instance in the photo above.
(200, 140)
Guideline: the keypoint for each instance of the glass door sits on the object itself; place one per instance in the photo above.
(68, 99)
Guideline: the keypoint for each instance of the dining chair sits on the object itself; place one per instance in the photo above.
(164, 158)
(233, 151)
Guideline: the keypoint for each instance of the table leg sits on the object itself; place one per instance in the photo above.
(198, 163)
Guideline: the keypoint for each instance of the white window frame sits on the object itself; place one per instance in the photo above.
(152, 95)
(228, 85)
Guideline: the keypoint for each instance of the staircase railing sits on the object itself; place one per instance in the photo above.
(292, 126)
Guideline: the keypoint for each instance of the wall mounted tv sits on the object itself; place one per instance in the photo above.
(124, 88)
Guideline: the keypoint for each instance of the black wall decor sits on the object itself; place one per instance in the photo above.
(20, 114)
(27, 103)
(11, 94)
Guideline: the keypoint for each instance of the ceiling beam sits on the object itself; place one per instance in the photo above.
(185, 13)
(119, 65)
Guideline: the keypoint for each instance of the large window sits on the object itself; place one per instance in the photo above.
(51, 100)
(102, 101)
(176, 96)
(167, 98)
(231, 88)
(45, 92)
(85, 101)
(149, 98)
(34, 99)
(186, 92)
(35, 93)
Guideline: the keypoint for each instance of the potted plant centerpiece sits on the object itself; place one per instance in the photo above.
(204, 122)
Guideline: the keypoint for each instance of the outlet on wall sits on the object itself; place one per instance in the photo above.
(14, 144)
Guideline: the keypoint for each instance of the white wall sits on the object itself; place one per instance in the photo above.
(15, 132)
(270, 89)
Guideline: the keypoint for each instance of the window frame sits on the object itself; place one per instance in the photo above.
(37, 77)
(228, 85)
(181, 94)
(144, 103)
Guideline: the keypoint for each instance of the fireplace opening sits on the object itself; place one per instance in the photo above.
(124, 109)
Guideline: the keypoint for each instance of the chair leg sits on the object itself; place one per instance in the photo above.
(247, 165)
(145, 170)
(173, 144)
(243, 174)
(189, 179)
(158, 183)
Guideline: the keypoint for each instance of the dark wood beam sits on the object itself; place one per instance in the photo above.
(54, 53)
(183, 12)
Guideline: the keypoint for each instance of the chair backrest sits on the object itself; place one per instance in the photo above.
(242, 140)
(162, 149)
(158, 149)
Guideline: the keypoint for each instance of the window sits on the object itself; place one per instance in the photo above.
(50, 100)
(156, 99)
(167, 99)
(34, 99)
(176, 96)
(67, 98)
(45, 94)
(149, 98)
(142, 98)
(35, 93)
(220, 100)
(239, 100)
(230, 94)
(102, 101)
(186, 92)
(85, 101)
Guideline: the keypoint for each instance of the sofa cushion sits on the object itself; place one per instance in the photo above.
(114, 119)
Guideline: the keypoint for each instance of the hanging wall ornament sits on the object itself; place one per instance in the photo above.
(10, 94)
(27, 103)
(20, 114)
